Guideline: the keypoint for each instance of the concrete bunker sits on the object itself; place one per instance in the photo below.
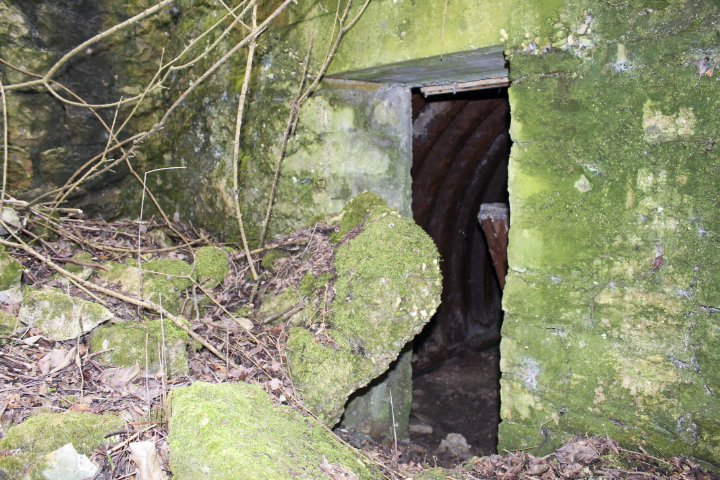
(460, 151)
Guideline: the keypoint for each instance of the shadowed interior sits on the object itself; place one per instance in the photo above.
(461, 145)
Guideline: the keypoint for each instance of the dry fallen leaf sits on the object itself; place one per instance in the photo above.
(51, 360)
(119, 377)
(145, 457)
(576, 452)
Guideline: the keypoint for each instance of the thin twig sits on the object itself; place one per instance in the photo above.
(236, 153)
(288, 312)
(168, 223)
(5, 146)
(442, 36)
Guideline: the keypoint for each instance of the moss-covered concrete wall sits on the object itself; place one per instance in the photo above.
(350, 136)
(612, 301)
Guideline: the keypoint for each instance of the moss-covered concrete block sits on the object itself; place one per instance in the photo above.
(221, 431)
(131, 343)
(60, 316)
(46, 432)
(388, 286)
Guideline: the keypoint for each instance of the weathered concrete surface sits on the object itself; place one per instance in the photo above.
(611, 301)
(383, 407)
(50, 140)
(232, 431)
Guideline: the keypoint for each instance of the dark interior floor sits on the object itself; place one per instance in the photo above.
(461, 396)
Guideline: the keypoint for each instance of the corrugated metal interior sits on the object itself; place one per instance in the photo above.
(461, 145)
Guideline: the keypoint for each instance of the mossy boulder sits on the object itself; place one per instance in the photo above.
(387, 288)
(222, 431)
(46, 432)
(10, 271)
(211, 266)
(163, 280)
(131, 343)
(60, 316)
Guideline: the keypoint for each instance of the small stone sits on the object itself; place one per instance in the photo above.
(11, 219)
(60, 316)
(583, 184)
(420, 428)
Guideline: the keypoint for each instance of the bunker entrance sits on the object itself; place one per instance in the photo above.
(461, 146)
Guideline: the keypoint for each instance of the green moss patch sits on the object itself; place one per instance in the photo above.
(211, 266)
(131, 343)
(220, 431)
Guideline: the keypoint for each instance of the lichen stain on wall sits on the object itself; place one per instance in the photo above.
(659, 127)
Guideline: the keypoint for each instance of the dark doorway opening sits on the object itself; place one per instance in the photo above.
(461, 146)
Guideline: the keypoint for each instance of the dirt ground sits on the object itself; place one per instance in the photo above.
(461, 396)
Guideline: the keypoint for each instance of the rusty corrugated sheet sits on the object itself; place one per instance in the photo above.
(461, 147)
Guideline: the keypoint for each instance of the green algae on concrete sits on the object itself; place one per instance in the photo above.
(46, 432)
(388, 286)
(610, 302)
(60, 316)
(397, 30)
(138, 343)
(232, 431)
